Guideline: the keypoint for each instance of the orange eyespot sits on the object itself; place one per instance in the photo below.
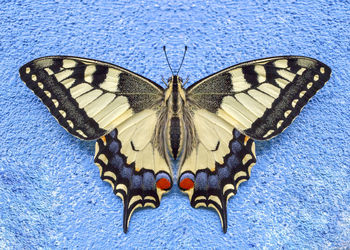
(163, 184)
(186, 184)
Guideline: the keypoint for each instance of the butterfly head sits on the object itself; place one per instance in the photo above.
(175, 80)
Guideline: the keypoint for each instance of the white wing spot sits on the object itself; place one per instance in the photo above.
(89, 97)
(27, 70)
(63, 74)
(322, 70)
(260, 70)
(239, 174)
(286, 74)
(68, 82)
(270, 89)
(302, 93)
(246, 158)
(269, 133)
(49, 71)
(253, 106)
(103, 158)
(40, 85)
(69, 63)
(261, 97)
(80, 89)
(47, 93)
(294, 102)
(55, 102)
(70, 123)
(238, 81)
(306, 63)
(301, 71)
(282, 82)
(309, 85)
(287, 113)
(89, 72)
(283, 63)
(111, 86)
(34, 78)
(279, 124)
(63, 113)
(316, 77)
(81, 133)
(108, 173)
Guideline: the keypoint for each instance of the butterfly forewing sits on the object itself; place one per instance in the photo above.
(262, 97)
(89, 98)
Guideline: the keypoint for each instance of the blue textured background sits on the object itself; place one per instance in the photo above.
(51, 194)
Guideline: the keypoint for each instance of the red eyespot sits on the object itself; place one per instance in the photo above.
(163, 184)
(186, 184)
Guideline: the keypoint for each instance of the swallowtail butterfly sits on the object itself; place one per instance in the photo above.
(143, 130)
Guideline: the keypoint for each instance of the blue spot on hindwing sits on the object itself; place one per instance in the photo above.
(236, 147)
(136, 182)
(233, 162)
(213, 181)
(113, 134)
(149, 181)
(223, 172)
(117, 162)
(201, 181)
(126, 172)
(113, 147)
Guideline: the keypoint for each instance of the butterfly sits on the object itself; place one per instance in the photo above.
(206, 130)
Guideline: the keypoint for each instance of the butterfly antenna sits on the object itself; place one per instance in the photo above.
(166, 84)
(183, 58)
(166, 56)
(184, 85)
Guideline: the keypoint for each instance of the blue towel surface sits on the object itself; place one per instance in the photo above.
(51, 194)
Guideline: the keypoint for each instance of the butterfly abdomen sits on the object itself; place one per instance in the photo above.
(175, 135)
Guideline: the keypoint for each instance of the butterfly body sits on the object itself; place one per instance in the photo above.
(142, 129)
(175, 97)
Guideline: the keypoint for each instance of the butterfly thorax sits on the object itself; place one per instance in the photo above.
(174, 99)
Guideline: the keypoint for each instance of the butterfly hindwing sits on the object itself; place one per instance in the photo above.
(138, 184)
(262, 97)
(89, 98)
(220, 160)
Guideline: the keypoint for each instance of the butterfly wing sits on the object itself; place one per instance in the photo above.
(220, 160)
(93, 99)
(261, 98)
(257, 98)
(88, 97)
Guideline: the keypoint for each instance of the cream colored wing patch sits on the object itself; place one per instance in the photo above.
(89, 98)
